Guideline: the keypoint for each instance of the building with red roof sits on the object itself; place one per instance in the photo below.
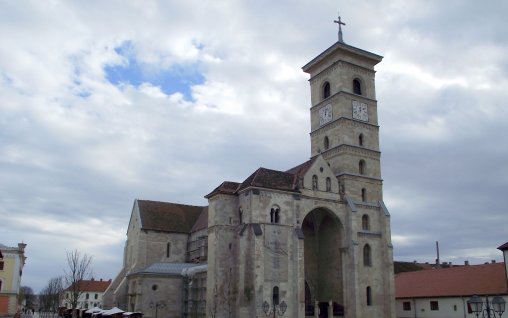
(91, 293)
(444, 292)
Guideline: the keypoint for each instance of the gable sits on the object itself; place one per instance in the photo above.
(320, 168)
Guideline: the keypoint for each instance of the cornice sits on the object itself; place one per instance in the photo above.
(347, 122)
(343, 65)
(355, 175)
(340, 93)
(356, 150)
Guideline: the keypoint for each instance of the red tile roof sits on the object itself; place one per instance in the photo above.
(227, 187)
(270, 179)
(454, 281)
(92, 285)
(202, 222)
(503, 247)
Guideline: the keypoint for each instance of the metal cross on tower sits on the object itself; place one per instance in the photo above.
(340, 23)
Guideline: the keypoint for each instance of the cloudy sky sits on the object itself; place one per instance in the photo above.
(103, 102)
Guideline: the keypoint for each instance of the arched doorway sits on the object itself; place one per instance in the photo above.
(323, 234)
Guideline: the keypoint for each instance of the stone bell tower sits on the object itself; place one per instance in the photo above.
(344, 124)
(314, 240)
(345, 133)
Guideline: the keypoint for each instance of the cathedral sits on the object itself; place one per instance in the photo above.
(311, 241)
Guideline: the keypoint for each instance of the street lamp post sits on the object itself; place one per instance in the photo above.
(496, 306)
(280, 309)
(157, 305)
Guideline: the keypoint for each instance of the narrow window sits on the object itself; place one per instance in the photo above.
(434, 305)
(274, 215)
(406, 306)
(168, 249)
(328, 184)
(314, 182)
(96, 296)
(1, 265)
(87, 296)
(364, 195)
(365, 222)
(275, 295)
(326, 143)
(369, 296)
(361, 166)
(360, 140)
(0, 285)
(357, 87)
(326, 90)
(367, 259)
(240, 215)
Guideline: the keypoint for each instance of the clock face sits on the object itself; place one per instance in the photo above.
(360, 111)
(325, 114)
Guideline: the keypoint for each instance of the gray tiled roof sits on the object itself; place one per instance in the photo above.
(168, 217)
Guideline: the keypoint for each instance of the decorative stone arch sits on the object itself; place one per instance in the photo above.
(324, 262)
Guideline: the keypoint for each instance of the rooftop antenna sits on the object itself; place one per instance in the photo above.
(340, 23)
(438, 263)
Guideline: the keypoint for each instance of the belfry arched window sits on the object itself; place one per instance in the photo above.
(314, 182)
(365, 222)
(326, 90)
(326, 143)
(362, 166)
(364, 194)
(275, 214)
(357, 86)
(368, 295)
(367, 255)
(328, 184)
(360, 139)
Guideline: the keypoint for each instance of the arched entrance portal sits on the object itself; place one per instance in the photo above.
(323, 263)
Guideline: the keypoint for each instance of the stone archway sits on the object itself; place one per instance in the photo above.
(323, 261)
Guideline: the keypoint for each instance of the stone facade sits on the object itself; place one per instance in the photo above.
(312, 241)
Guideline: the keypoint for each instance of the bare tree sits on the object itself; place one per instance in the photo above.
(27, 295)
(51, 295)
(78, 271)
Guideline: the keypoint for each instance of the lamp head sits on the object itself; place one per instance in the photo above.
(476, 304)
(266, 307)
(498, 304)
(282, 307)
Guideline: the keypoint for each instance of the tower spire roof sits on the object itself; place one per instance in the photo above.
(340, 23)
